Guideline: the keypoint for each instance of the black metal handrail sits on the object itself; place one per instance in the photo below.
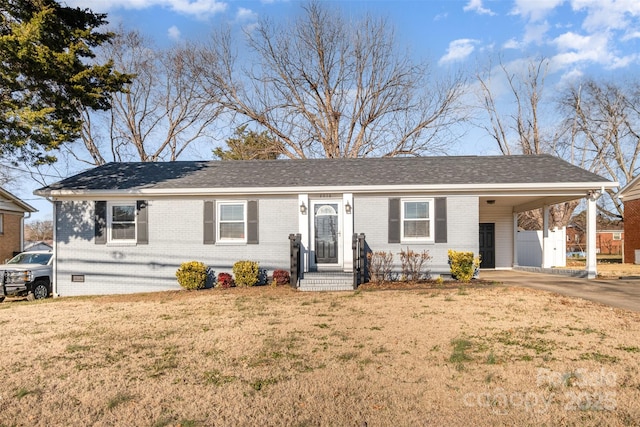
(359, 259)
(294, 258)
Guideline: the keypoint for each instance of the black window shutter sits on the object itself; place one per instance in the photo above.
(252, 222)
(209, 237)
(100, 220)
(394, 221)
(441, 220)
(143, 223)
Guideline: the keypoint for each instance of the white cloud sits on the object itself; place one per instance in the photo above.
(569, 78)
(534, 33)
(512, 44)
(458, 50)
(244, 14)
(631, 36)
(575, 49)
(535, 10)
(607, 14)
(197, 8)
(476, 6)
(174, 33)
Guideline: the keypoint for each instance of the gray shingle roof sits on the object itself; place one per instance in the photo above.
(453, 170)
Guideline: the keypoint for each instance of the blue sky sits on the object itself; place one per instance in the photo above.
(599, 38)
(580, 36)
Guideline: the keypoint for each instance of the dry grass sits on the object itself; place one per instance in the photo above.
(486, 355)
(608, 270)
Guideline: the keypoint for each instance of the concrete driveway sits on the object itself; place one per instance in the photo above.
(620, 293)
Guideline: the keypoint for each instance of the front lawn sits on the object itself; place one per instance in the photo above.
(475, 355)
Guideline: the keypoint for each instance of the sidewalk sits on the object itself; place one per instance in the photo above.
(620, 293)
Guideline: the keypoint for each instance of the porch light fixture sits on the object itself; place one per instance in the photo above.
(347, 208)
(303, 208)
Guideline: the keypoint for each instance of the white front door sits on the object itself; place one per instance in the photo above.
(326, 233)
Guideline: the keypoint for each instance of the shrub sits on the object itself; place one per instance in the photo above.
(225, 280)
(379, 265)
(463, 265)
(246, 273)
(281, 277)
(192, 275)
(414, 264)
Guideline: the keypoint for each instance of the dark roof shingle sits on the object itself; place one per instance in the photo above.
(452, 170)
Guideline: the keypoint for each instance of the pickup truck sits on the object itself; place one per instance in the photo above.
(27, 274)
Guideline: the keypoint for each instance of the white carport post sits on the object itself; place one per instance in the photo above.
(591, 236)
(545, 237)
(515, 239)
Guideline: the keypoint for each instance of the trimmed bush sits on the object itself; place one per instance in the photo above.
(414, 264)
(281, 277)
(246, 273)
(225, 280)
(192, 275)
(380, 264)
(463, 265)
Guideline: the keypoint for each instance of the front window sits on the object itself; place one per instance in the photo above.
(617, 236)
(1, 223)
(417, 221)
(232, 225)
(121, 218)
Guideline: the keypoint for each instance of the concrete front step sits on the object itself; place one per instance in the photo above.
(326, 281)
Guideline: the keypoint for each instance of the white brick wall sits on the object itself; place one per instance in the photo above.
(175, 236)
(371, 218)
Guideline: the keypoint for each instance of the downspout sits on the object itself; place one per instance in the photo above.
(54, 287)
(24, 216)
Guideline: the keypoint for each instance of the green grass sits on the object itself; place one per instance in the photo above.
(459, 353)
(119, 399)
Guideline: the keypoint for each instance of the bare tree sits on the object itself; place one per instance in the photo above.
(606, 117)
(38, 230)
(327, 87)
(514, 121)
(161, 112)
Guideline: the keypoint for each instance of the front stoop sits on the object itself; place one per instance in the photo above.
(326, 281)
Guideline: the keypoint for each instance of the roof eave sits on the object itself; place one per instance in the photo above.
(15, 200)
(476, 189)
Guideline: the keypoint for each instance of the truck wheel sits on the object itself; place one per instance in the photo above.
(40, 290)
(1, 298)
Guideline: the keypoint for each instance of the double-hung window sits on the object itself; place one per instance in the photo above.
(232, 221)
(417, 220)
(121, 221)
(1, 223)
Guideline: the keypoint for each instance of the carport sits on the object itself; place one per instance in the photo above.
(499, 210)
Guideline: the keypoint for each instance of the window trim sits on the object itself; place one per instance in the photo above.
(616, 236)
(110, 239)
(430, 217)
(226, 240)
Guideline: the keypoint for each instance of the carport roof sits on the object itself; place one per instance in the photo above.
(442, 171)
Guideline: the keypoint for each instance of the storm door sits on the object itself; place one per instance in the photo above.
(326, 232)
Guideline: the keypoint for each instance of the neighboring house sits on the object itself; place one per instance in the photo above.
(12, 214)
(126, 227)
(38, 246)
(630, 196)
(608, 242)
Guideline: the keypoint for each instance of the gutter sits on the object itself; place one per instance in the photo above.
(510, 189)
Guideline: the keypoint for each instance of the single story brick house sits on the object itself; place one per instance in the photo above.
(126, 227)
(13, 212)
(630, 196)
